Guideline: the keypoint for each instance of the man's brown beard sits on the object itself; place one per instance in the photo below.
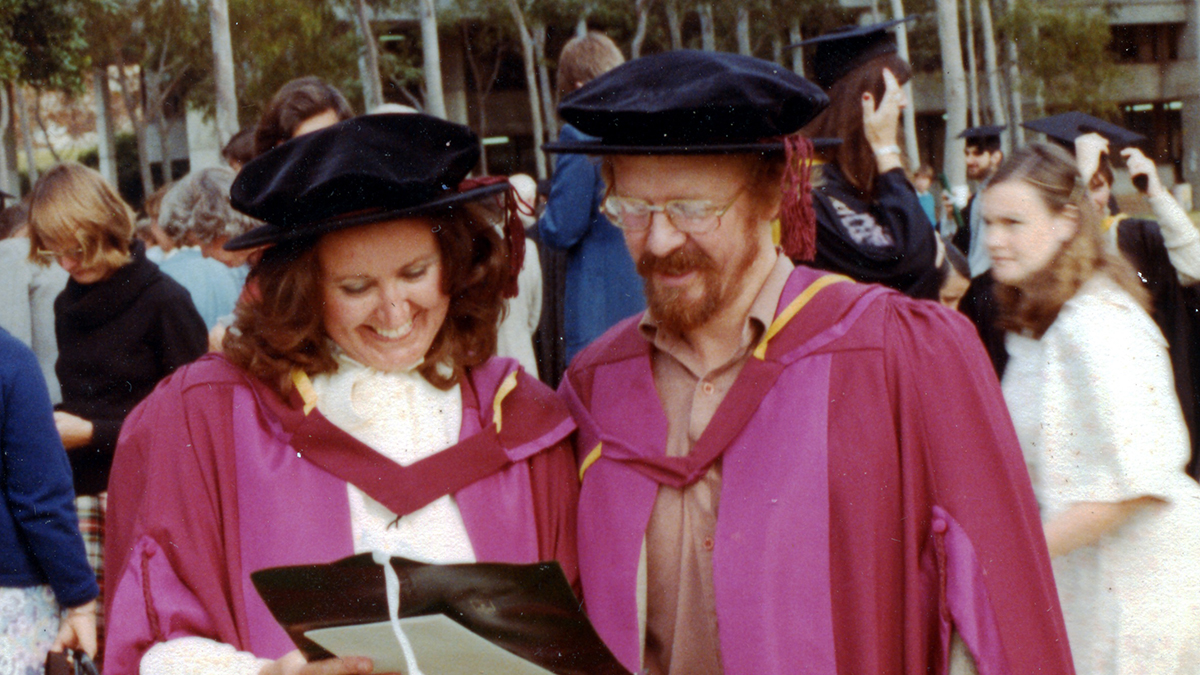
(668, 304)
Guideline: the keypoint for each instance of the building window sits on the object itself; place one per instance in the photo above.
(1146, 42)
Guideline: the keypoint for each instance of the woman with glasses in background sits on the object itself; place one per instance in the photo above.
(121, 325)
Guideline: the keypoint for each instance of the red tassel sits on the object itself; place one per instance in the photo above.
(797, 219)
(514, 230)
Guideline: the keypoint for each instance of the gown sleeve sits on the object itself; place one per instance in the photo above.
(1111, 425)
(1180, 237)
(984, 541)
(169, 571)
(889, 241)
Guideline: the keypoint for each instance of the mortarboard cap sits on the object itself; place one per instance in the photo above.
(984, 132)
(690, 102)
(842, 50)
(362, 170)
(1065, 128)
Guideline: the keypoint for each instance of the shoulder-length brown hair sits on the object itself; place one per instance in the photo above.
(843, 120)
(73, 206)
(1052, 173)
(279, 325)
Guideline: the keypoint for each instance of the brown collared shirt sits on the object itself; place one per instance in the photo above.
(681, 617)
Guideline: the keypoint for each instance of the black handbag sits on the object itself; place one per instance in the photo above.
(70, 662)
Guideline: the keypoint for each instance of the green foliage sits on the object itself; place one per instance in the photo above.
(43, 42)
(129, 182)
(1054, 42)
(275, 41)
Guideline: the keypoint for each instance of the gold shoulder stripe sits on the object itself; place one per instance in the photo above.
(506, 387)
(789, 312)
(590, 460)
(304, 387)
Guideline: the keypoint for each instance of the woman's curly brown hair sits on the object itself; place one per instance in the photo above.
(279, 325)
(1035, 305)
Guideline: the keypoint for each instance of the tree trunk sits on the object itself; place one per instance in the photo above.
(6, 181)
(708, 32)
(743, 30)
(795, 36)
(972, 66)
(483, 89)
(105, 142)
(547, 92)
(41, 122)
(995, 101)
(581, 26)
(435, 100)
(26, 134)
(139, 128)
(1039, 92)
(909, 116)
(674, 24)
(153, 103)
(372, 85)
(639, 35)
(531, 83)
(776, 38)
(223, 73)
(1015, 115)
(956, 96)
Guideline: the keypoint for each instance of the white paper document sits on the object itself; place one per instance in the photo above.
(441, 646)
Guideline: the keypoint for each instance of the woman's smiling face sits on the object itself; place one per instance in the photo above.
(382, 287)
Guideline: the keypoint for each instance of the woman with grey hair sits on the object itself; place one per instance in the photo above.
(197, 210)
(196, 215)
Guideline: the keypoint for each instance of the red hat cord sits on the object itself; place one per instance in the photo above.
(797, 220)
(514, 230)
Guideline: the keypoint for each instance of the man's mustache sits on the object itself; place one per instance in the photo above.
(688, 258)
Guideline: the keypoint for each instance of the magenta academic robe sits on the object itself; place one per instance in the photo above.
(215, 477)
(874, 502)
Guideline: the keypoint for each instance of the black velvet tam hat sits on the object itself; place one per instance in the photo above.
(690, 102)
(842, 50)
(363, 170)
(1065, 128)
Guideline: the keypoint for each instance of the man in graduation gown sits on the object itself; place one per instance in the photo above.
(772, 480)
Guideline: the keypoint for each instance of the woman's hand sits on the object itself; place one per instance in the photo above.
(1084, 523)
(216, 338)
(293, 663)
(76, 432)
(881, 124)
(1089, 148)
(77, 630)
(1141, 165)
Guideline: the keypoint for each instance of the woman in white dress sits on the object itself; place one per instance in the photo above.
(1090, 390)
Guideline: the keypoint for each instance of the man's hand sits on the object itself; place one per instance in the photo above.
(75, 432)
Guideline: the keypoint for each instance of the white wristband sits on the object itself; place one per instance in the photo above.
(887, 150)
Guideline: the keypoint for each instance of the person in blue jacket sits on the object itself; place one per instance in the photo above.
(43, 567)
(602, 286)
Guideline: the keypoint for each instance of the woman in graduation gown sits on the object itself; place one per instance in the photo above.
(1088, 385)
(870, 224)
(357, 406)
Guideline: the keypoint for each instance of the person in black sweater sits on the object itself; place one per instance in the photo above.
(870, 224)
(121, 324)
